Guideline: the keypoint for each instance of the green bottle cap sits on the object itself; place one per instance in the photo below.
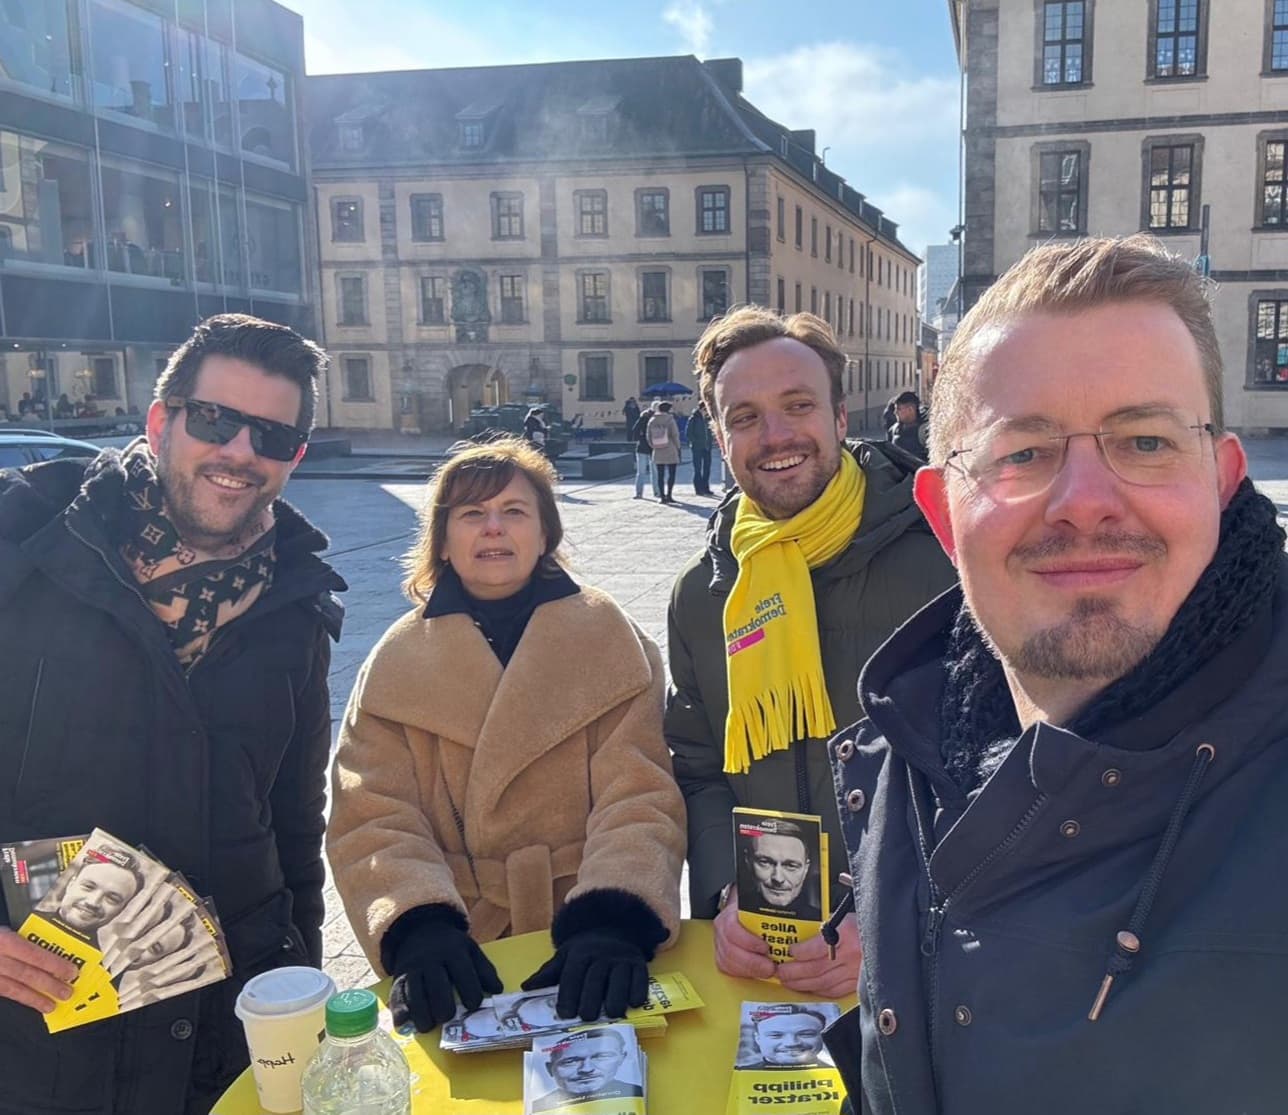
(351, 1014)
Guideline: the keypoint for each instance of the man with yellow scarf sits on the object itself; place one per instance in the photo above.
(818, 557)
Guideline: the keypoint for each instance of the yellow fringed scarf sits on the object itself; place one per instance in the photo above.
(777, 691)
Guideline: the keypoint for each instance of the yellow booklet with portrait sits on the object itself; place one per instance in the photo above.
(782, 876)
(781, 1060)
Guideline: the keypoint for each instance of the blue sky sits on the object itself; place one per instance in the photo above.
(877, 79)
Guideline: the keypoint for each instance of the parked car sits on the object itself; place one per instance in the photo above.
(26, 447)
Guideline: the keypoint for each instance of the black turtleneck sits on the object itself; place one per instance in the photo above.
(502, 622)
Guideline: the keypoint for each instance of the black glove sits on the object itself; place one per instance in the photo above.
(598, 972)
(429, 953)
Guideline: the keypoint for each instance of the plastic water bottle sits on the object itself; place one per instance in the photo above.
(358, 1069)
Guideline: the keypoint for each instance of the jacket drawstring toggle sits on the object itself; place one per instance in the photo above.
(1127, 943)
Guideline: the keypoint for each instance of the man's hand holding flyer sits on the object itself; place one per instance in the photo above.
(136, 930)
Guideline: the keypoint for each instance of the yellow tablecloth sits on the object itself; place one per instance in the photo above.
(689, 1066)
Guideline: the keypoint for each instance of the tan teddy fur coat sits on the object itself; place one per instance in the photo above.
(504, 792)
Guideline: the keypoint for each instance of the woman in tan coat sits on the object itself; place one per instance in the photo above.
(501, 766)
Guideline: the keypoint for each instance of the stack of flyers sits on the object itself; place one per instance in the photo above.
(31, 870)
(595, 1070)
(782, 875)
(134, 928)
(781, 1059)
(514, 1021)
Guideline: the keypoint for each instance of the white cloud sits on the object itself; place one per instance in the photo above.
(892, 131)
(692, 20)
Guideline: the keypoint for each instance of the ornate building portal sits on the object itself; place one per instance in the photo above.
(474, 385)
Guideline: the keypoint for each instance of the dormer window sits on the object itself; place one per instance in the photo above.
(350, 137)
(473, 124)
(597, 118)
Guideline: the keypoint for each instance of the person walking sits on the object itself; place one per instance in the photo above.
(698, 434)
(501, 766)
(664, 440)
(644, 454)
(1067, 802)
(166, 622)
(910, 428)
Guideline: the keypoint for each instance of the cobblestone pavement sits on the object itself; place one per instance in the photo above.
(630, 548)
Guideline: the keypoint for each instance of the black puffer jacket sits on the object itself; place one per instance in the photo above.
(989, 922)
(220, 773)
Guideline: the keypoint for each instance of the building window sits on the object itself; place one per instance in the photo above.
(144, 220)
(1172, 183)
(346, 220)
(713, 210)
(353, 299)
(827, 306)
(813, 300)
(512, 299)
(654, 303)
(592, 212)
(594, 297)
(1177, 32)
(851, 255)
(1064, 58)
(851, 317)
(596, 377)
(264, 110)
(827, 244)
(1059, 187)
(426, 217)
(357, 380)
(800, 227)
(655, 370)
(782, 295)
(799, 303)
(471, 134)
(41, 38)
(1272, 207)
(813, 236)
(129, 61)
(782, 218)
(653, 212)
(104, 368)
(507, 216)
(433, 300)
(1270, 346)
(1277, 36)
(715, 292)
(840, 251)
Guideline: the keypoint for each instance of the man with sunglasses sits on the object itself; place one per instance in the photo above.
(1065, 811)
(165, 627)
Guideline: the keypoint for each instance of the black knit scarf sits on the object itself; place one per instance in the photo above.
(977, 718)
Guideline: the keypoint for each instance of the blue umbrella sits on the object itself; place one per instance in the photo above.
(667, 389)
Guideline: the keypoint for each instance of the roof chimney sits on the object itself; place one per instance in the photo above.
(804, 138)
(727, 71)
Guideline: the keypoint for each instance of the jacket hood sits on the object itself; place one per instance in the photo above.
(888, 511)
(90, 492)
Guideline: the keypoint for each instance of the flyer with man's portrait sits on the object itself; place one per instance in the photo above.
(781, 1059)
(782, 876)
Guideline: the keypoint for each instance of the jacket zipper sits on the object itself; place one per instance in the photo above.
(939, 903)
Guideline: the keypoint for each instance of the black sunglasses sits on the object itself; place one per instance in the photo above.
(217, 424)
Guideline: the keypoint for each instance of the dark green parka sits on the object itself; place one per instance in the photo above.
(891, 569)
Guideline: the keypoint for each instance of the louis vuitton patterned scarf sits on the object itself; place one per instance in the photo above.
(192, 592)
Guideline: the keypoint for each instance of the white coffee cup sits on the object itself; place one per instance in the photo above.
(284, 1012)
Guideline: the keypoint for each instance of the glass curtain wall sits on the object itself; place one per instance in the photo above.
(273, 242)
(46, 207)
(35, 45)
(143, 221)
(129, 60)
(264, 110)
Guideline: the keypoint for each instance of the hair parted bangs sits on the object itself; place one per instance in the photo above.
(746, 326)
(1067, 278)
(474, 474)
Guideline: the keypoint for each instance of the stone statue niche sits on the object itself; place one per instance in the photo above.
(470, 313)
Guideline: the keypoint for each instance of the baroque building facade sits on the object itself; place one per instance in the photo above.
(562, 233)
(1097, 117)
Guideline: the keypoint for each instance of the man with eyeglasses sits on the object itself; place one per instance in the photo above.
(1066, 809)
(165, 626)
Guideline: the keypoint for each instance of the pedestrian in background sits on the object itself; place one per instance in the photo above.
(501, 766)
(910, 427)
(535, 428)
(166, 625)
(631, 412)
(664, 440)
(644, 454)
(698, 434)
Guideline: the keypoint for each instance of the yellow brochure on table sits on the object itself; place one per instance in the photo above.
(781, 1060)
(803, 1091)
(782, 876)
(668, 993)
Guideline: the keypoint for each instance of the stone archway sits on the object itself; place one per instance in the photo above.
(473, 385)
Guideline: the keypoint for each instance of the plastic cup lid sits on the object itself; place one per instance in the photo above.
(284, 991)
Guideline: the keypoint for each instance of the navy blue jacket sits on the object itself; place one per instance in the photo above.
(988, 923)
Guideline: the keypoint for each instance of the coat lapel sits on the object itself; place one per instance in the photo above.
(579, 658)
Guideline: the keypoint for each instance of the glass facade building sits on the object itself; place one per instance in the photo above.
(150, 175)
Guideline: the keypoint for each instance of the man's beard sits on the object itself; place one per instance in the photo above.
(183, 510)
(779, 504)
(1095, 642)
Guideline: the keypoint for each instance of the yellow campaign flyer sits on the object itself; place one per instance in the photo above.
(781, 1060)
(93, 996)
(806, 1091)
(782, 876)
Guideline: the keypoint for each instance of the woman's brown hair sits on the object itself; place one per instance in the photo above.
(474, 474)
